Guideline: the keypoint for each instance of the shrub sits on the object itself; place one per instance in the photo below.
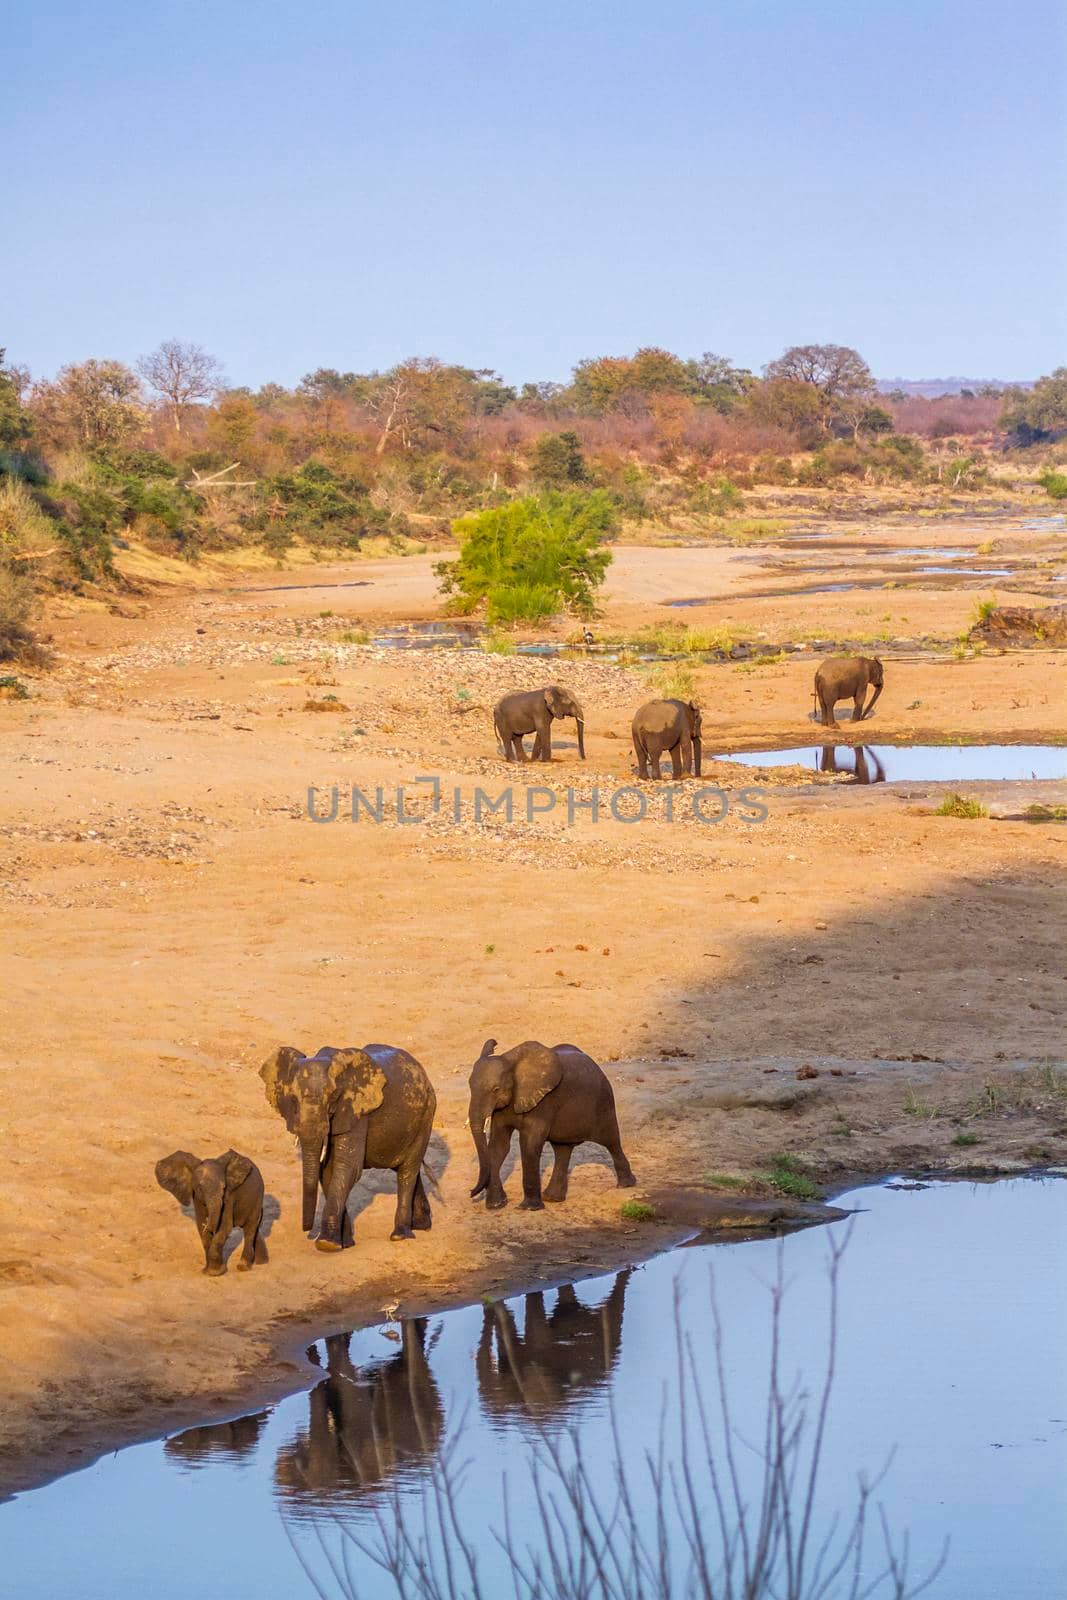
(637, 1211)
(558, 460)
(532, 558)
(1054, 484)
(719, 498)
(957, 805)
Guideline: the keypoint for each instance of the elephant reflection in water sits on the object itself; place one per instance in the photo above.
(559, 1356)
(364, 1423)
(866, 768)
(219, 1441)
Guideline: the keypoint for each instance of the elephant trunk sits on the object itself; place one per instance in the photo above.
(872, 702)
(477, 1117)
(310, 1152)
(698, 755)
(581, 736)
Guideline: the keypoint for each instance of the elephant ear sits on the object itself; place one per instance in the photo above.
(537, 1070)
(238, 1168)
(554, 700)
(175, 1174)
(357, 1080)
(277, 1074)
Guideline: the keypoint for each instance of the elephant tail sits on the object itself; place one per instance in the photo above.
(431, 1182)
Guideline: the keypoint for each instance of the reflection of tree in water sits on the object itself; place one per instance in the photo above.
(217, 1442)
(865, 766)
(559, 1357)
(364, 1423)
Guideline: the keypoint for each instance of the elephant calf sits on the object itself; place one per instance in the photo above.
(226, 1193)
(559, 1096)
(533, 712)
(846, 678)
(664, 726)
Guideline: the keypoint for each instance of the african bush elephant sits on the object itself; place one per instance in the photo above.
(846, 678)
(365, 1423)
(560, 1096)
(225, 1193)
(560, 1357)
(533, 711)
(226, 1441)
(355, 1108)
(668, 725)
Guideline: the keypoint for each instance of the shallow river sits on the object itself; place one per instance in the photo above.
(952, 1307)
(923, 763)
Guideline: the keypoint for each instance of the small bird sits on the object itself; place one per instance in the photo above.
(587, 637)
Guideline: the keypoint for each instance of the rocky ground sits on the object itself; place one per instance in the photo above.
(853, 984)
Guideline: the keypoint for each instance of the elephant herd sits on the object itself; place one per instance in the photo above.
(669, 727)
(370, 1420)
(372, 1107)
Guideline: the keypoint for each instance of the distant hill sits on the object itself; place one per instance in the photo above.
(934, 388)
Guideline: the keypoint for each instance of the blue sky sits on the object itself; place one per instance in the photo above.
(521, 185)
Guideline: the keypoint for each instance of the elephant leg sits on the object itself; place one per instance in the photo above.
(543, 746)
(829, 720)
(612, 1143)
(654, 760)
(676, 761)
(421, 1217)
(407, 1176)
(531, 1143)
(499, 1145)
(642, 761)
(557, 1184)
(342, 1170)
(259, 1248)
(857, 705)
(520, 748)
(248, 1248)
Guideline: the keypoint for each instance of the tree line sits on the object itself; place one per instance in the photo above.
(169, 451)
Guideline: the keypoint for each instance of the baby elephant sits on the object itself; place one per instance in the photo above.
(559, 1097)
(226, 1193)
(668, 727)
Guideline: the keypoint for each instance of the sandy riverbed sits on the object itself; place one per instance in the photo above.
(171, 914)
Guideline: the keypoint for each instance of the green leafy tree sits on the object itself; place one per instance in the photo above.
(530, 559)
(1037, 415)
(15, 422)
(558, 460)
(716, 382)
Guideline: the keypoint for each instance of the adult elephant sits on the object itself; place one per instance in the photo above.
(668, 726)
(847, 678)
(534, 711)
(351, 1109)
(365, 1423)
(558, 1096)
(559, 1358)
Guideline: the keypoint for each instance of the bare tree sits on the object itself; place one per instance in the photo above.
(835, 369)
(687, 1522)
(182, 373)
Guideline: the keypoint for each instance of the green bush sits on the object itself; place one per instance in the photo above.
(530, 559)
(718, 498)
(957, 805)
(1054, 484)
(558, 460)
(320, 506)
